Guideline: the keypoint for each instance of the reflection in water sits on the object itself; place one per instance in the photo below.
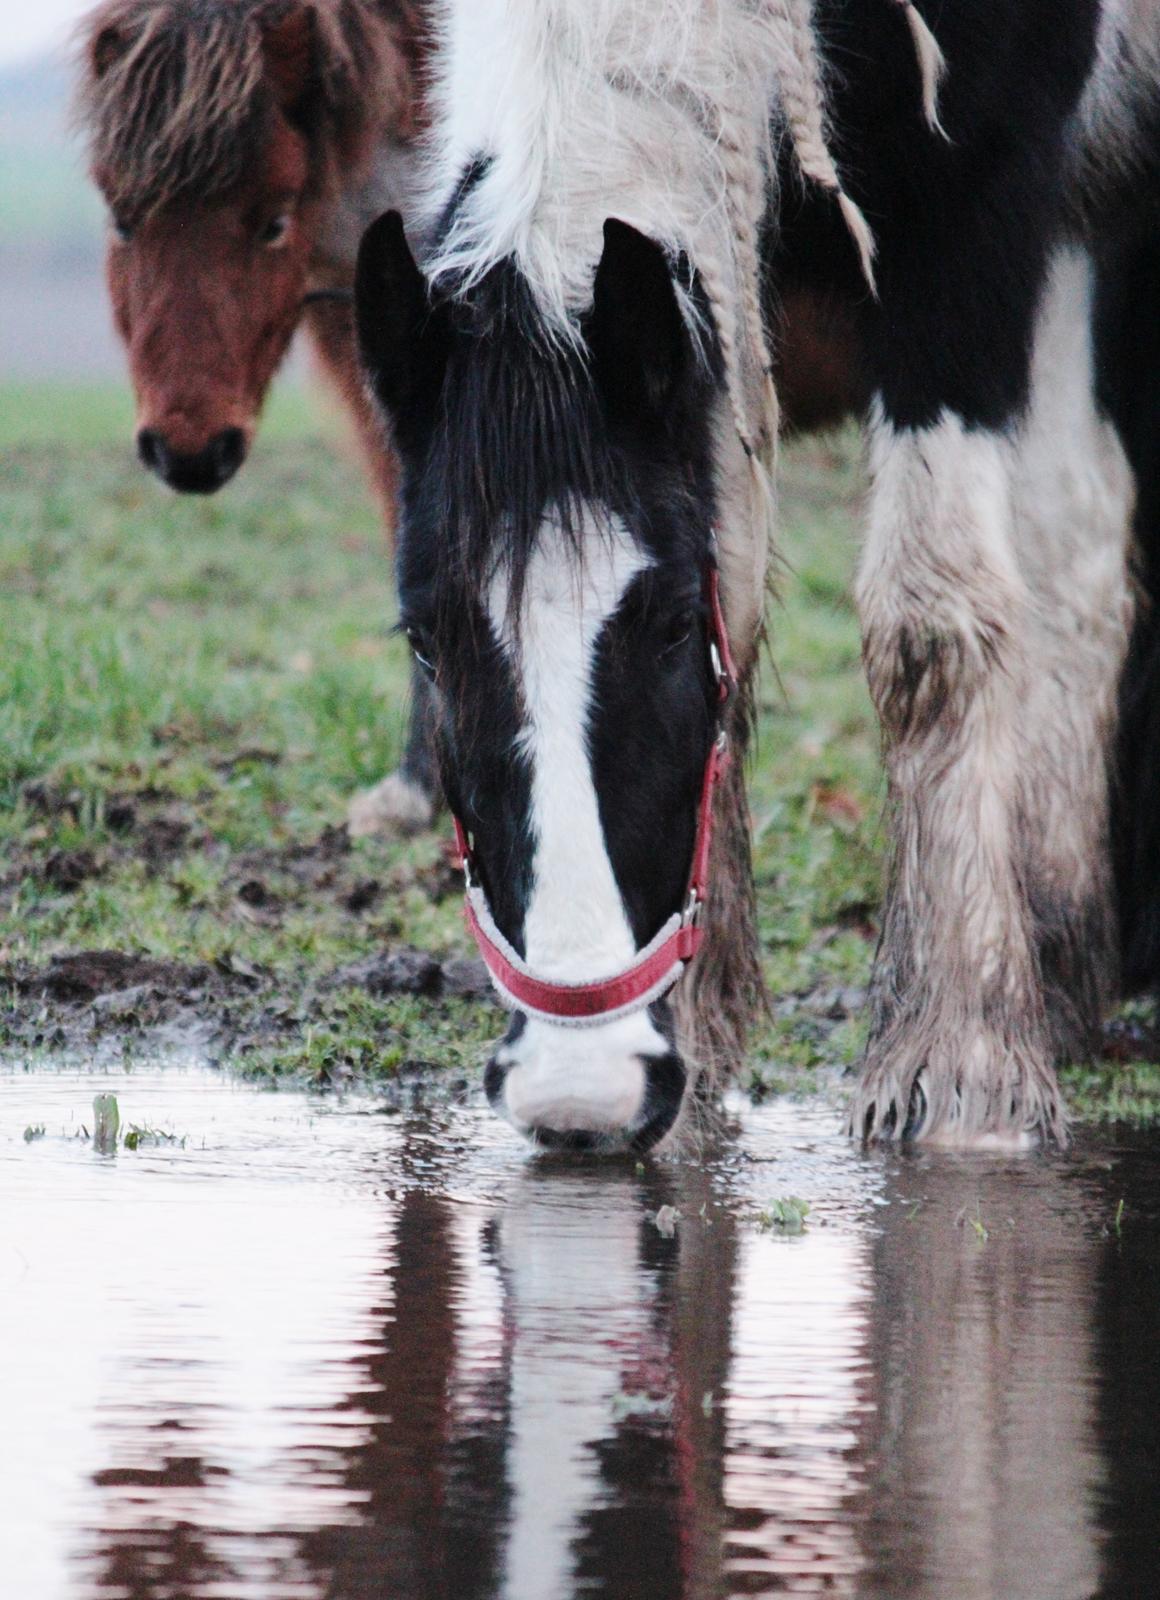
(1126, 1356)
(983, 1430)
(324, 1352)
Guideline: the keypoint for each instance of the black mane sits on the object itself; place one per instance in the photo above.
(517, 428)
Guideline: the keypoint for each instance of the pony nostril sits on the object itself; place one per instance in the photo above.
(665, 1083)
(228, 450)
(494, 1075)
(197, 471)
(151, 451)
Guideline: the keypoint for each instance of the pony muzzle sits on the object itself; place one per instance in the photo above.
(617, 1087)
(193, 471)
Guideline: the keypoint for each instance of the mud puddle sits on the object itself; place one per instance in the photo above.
(302, 1347)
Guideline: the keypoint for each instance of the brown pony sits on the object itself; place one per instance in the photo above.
(230, 139)
(242, 146)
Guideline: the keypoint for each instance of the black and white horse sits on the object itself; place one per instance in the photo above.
(577, 384)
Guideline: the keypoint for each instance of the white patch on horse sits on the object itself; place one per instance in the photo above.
(567, 1079)
(576, 928)
(575, 925)
(656, 112)
(995, 609)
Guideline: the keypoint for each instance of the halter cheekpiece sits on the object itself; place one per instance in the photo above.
(658, 966)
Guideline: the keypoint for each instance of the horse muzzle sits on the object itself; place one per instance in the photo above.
(617, 1087)
(193, 472)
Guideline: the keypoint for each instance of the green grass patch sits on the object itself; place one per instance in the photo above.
(78, 416)
(1114, 1091)
(191, 691)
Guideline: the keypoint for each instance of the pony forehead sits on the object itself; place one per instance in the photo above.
(517, 441)
(169, 97)
(173, 93)
(574, 578)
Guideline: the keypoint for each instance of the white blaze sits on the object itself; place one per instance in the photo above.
(576, 928)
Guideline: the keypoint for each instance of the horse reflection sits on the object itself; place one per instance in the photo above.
(617, 1352)
(545, 1403)
(533, 1390)
(983, 1434)
(569, 1399)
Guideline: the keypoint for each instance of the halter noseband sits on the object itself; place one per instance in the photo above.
(665, 957)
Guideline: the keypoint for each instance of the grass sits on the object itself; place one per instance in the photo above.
(787, 1214)
(190, 692)
(37, 414)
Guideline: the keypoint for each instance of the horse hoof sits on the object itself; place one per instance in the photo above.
(394, 806)
(985, 1096)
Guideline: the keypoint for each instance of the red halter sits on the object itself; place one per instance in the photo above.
(661, 962)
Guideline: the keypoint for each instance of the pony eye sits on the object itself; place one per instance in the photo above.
(275, 230)
(122, 229)
(678, 631)
(421, 652)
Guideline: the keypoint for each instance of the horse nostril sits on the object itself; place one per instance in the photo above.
(151, 451)
(228, 450)
(665, 1083)
(493, 1080)
(198, 471)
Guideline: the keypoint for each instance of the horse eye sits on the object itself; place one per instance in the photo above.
(122, 229)
(678, 631)
(275, 230)
(421, 652)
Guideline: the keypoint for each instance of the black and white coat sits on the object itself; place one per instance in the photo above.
(950, 174)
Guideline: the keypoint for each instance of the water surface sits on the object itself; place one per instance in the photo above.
(315, 1348)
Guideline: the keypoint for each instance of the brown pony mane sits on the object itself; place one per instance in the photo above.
(173, 94)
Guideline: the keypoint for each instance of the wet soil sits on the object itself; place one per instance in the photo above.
(290, 1345)
(230, 1007)
(79, 1000)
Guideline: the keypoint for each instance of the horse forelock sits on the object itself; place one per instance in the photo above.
(172, 93)
(522, 442)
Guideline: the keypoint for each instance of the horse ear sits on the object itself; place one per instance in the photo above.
(635, 332)
(288, 44)
(106, 49)
(397, 337)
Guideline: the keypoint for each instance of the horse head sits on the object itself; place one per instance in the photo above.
(558, 587)
(218, 133)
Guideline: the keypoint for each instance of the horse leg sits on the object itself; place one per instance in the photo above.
(1074, 493)
(994, 600)
(968, 597)
(958, 1042)
(1129, 346)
